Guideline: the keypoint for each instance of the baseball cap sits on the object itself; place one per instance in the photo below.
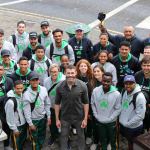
(1, 31)
(34, 75)
(33, 35)
(147, 42)
(5, 53)
(44, 23)
(129, 78)
(78, 27)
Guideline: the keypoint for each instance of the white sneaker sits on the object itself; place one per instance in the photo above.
(93, 147)
(88, 141)
(109, 147)
(74, 131)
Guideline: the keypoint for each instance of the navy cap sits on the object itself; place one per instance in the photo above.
(33, 75)
(129, 78)
(79, 27)
(44, 23)
(5, 53)
(33, 35)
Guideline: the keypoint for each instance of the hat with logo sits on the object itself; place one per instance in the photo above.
(5, 53)
(44, 23)
(129, 78)
(34, 75)
(79, 27)
(33, 35)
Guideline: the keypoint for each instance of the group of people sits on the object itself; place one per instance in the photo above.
(98, 92)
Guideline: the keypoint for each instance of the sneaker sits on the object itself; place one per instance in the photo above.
(74, 131)
(51, 141)
(88, 141)
(93, 146)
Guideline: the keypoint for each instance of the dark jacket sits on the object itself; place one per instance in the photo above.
(25, 79)
(5, 86)
(28, 52)
(130, 67)
(82, 49)
(137, 45)
(109, 47)
(144, 84)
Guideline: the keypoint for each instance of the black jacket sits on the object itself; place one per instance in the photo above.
(129, 67)
(84, 46)
(28, 52)
(137, 45)
(109, 47)
(6, 86)
(25, 79)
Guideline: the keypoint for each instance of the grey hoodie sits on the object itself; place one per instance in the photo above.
(40, 67)
(48, 84)
(9, 46)
(22, 41)
(14, 119)
(61, 51)
(109, 67)
(46, 40)
(106, 106)
(42, 105)
(130, 117)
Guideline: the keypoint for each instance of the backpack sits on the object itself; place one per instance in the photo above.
(39, 39)
(133, 101)
(33, 63)
(14, 39)
(52, 51)
(32, 105)
(2, 107)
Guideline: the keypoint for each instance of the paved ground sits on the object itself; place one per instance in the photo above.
(120, 12)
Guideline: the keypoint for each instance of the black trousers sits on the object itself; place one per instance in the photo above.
(6, 129)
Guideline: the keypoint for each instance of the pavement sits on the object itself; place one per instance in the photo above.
(119, 12)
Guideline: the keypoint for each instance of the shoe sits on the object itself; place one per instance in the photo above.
(93, 146)
(8, 148)
(88, 141)
(74, 131)
(51, 141)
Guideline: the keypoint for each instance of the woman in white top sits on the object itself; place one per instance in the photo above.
(108, 67)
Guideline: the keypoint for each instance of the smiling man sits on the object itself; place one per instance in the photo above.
(106, 106)
(133, 110)
(125, 63)
(143, 79)
(20, 39)
(23, 72)
(137, 45)
(72, 97)
(36, 110)
(81, 45)
(33, 42)
(60, 47)
(46, 37)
